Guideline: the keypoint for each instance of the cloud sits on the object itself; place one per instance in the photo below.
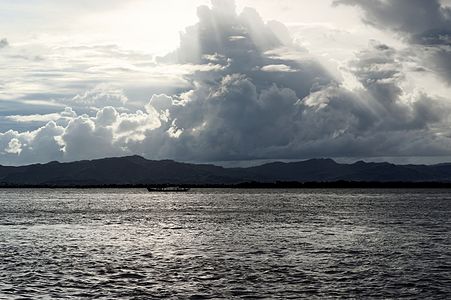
(100, 96)
(34, 118)
(3, 43)
(68, 113)
(426, 25)
(250, 93)
(71, 137)
(412, 17)
(239, 118)
(14, 146)
(40, 145)
(43, 79)
(232, 120)
(277, 68)
(244, 44)
(221, 30)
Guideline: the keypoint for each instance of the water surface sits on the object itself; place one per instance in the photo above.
(132, 244)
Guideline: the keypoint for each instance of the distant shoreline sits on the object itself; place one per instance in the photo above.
(251, 185)
(138, 172)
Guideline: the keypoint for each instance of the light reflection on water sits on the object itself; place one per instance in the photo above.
(225, 243)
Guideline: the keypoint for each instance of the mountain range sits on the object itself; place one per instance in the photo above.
(136, 170)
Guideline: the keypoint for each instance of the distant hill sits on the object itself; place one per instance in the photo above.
(135, 170)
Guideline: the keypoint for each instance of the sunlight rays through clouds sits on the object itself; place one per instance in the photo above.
(304, 80)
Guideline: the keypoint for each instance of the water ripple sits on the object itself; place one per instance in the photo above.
(212, 244)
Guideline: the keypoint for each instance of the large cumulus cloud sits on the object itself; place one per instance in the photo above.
(237, 119)
(254, 94)
(244, 44)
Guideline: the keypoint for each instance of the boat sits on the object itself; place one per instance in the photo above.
(168, 189)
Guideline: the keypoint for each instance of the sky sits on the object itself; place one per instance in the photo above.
(225, 81)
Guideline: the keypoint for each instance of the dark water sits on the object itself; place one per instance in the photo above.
(130, 244)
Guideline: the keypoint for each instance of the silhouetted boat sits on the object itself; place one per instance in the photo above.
(168, 189)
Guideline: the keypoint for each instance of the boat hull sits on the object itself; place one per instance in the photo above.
(168, 190)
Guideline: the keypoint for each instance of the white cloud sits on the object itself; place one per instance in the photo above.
(101, 96)
(277, 68)
(14, 146)
(34, 118)
(70, 137)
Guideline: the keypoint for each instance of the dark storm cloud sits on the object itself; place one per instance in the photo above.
(412, 17)
(374, 119)
(245, 117)
(422, 23)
